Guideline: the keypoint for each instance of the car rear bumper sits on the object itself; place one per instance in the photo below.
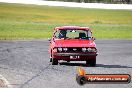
(80, 56)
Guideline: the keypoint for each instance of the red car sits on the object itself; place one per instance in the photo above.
(73, 43)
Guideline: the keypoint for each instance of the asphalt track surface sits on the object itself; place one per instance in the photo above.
(25, 64)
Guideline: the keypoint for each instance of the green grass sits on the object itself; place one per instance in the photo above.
(19, 21)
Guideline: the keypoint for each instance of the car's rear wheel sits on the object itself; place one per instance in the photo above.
(54, 61)
(91, 62)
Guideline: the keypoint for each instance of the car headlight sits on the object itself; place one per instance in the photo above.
(84, 49)
(65, 49)
(60, 49)
(55, 50)
(91, 50)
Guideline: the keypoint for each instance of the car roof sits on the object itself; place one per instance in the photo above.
(72, 27)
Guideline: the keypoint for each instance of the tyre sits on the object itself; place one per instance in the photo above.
(54, 61)
(81, 80)
(91, 62)
(50, 59)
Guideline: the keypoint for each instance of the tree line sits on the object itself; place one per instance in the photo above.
(98, 1)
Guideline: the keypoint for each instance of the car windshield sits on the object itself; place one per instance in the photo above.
(73, 34)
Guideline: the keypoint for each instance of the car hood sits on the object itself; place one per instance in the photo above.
(74, 43)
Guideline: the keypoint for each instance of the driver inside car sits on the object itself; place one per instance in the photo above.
(62, 34)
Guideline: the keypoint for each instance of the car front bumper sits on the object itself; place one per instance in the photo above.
(80, 56)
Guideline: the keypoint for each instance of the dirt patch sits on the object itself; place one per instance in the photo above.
(2, 83)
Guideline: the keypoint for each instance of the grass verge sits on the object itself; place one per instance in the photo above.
(18, 21)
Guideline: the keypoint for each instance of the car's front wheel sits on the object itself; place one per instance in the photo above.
(54, 61)
(91, 62)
